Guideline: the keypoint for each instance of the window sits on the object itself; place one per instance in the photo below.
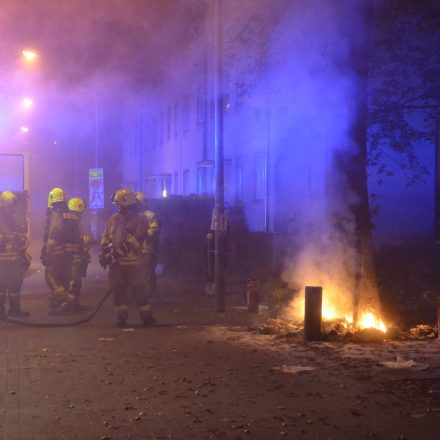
(185, 182)
(260, 176)
(186, 113)
(168, 123)
(161, 128)
(175, 183)
(153, 187)
(239, 192)
(228, 180)
(12, 167)
(201, 105)
(205, 177)
(131, 185)
(158, 187)
(176, 118)
(154, 133)
(166, 185)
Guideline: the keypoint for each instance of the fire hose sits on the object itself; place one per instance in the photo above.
(59, 324)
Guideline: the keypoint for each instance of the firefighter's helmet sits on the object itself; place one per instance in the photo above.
(77, 204)
(124, 197)
(56, 195)
(7, 198)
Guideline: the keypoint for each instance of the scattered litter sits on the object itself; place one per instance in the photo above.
(105, 339)
(280, 328)
(292, 369)
(182, 326)
(423, 331)
(44, 349)
(400, 363)
(128, 329)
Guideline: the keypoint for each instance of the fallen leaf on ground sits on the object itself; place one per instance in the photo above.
(292, 369)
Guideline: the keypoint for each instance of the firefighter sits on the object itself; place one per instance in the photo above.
(62, 241)
(82, 259)
(151, 244)
(14, 260)
(121, 245)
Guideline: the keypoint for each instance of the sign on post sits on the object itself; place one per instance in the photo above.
(96, 188)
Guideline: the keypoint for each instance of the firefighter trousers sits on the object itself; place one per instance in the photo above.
(129, 278)
(11, 281)
(58, 275)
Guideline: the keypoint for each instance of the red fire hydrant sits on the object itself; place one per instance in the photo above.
(252, 295)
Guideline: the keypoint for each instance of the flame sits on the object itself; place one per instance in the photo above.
(369, 320)
(328, 312)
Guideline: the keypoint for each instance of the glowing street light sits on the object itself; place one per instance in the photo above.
(27, 103)
(24, 129)
(29, 55)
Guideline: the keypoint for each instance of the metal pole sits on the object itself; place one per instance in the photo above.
(312, 313)
(219, 274)
(94, 212)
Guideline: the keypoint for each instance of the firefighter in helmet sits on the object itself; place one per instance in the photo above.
(62, 241)
(121, 244)
(151, 243)
(14, 260)
(82, 259)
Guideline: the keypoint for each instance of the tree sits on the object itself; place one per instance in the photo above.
(404, 103)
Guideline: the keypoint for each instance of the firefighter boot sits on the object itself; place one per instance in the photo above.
(121, 315)
(15, 307)
(146, 314)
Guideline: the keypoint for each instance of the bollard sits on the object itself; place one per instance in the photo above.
(312, 313)
(438, 317)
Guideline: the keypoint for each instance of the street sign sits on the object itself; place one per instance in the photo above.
(96, 188)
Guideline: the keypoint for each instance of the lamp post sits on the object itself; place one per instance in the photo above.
(219, 210)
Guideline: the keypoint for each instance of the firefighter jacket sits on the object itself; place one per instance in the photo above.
(63, 234)
(151, 242)
(126, 232)
(13, 239)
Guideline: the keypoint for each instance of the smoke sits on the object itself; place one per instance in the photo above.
(291, 72)
(314, 92)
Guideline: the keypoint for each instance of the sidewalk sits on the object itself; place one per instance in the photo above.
(199, 375)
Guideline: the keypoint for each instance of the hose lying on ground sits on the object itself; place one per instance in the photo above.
(11, 320)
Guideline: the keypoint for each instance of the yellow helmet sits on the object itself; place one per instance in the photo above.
(56, 195)
(124, 197)
(7, 198)
(77, 204)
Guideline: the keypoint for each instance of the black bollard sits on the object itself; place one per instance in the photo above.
(438, 317)
(312, 313)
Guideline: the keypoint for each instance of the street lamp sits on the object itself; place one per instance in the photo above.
(29, 55)
(27, 103)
